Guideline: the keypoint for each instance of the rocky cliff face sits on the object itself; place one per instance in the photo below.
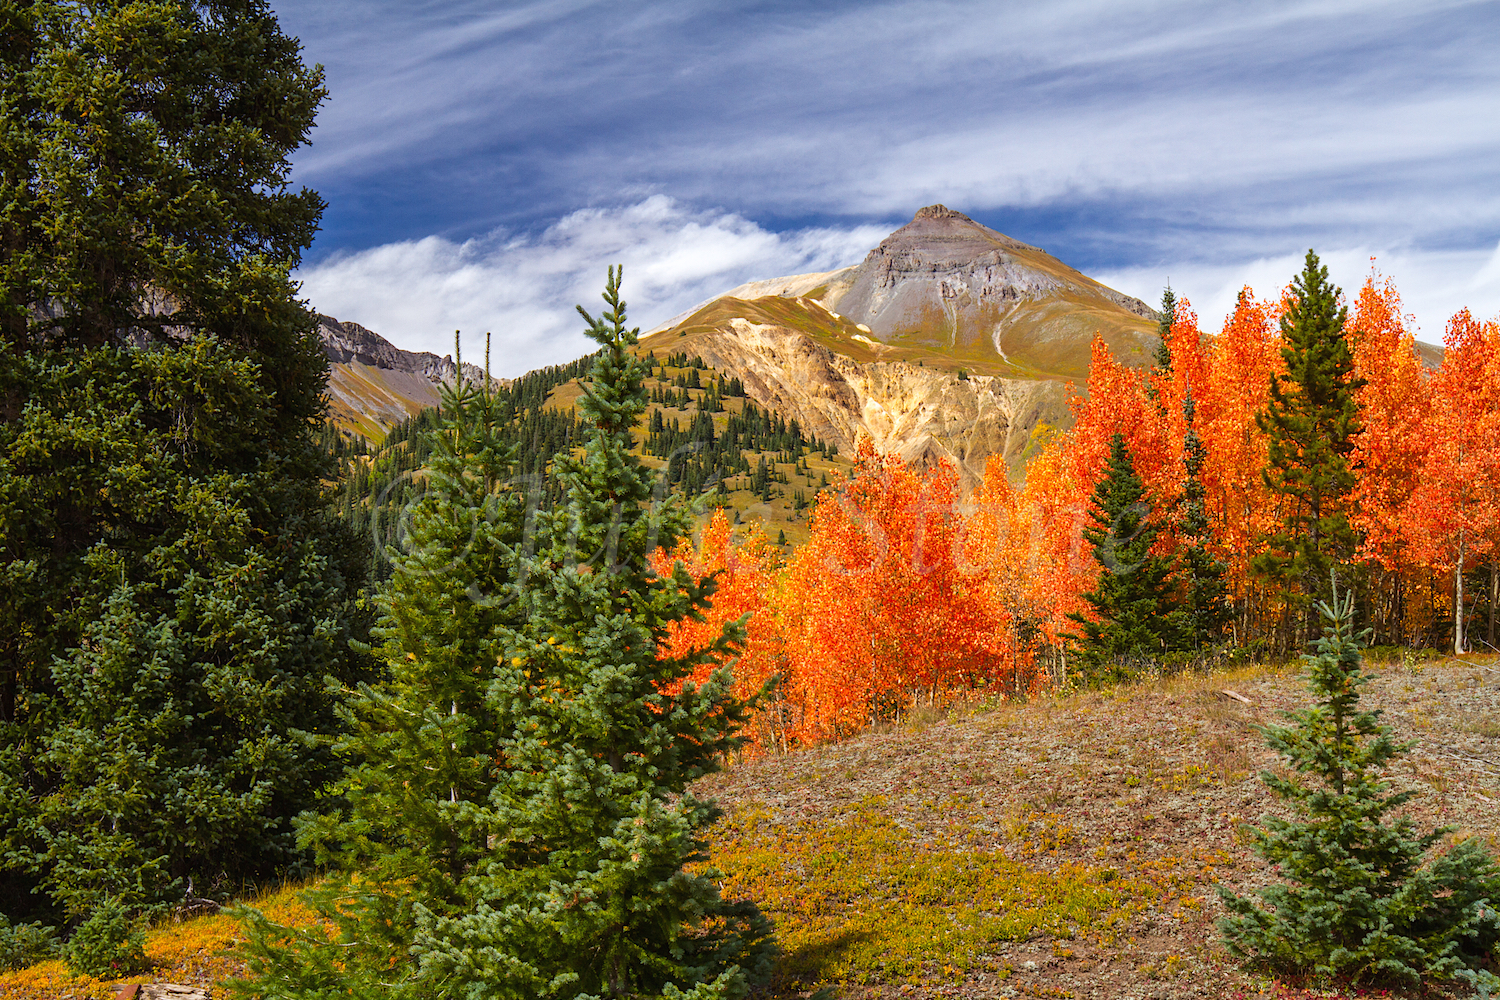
(374, 385)
(350, 343)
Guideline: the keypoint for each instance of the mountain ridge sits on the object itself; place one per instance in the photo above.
(374, 385)
(950, 341)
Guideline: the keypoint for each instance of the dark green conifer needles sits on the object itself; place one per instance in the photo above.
(519, 817)
(1137, 614)
(1311, 420)
(175, 592)
(1361, 902)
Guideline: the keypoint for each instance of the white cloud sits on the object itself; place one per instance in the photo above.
(523, 287)
(1433, 284)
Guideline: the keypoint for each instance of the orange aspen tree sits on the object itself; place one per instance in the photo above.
(1004, 546)
(1118, 402)
(746, 571)
(879, 603)
(1235, 384)
(1389, 452)
(1055, 569)
(1188, 372)
(1492, 382)
(1457, 503)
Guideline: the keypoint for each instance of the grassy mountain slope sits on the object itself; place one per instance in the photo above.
(382, 479)
(368, 401)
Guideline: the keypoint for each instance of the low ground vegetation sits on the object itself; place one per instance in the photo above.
(1112, 814)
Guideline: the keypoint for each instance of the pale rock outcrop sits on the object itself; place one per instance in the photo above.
(923, 414)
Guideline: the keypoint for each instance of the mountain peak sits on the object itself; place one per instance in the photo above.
(952, 292)
(946, 238)
(939, 212)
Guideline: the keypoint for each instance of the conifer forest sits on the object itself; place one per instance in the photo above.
(524, 700)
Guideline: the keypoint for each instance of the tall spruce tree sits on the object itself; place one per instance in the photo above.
(551, 821)
(1361, 903)
(421, 741)
(175, 591)
(1164, 330)
(1311, 420)
(1137, 615)
(1206, 595)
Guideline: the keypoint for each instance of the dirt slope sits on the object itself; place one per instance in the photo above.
(799, 360)
(1141, 792)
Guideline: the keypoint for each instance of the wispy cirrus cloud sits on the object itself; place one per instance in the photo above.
(1126, 138)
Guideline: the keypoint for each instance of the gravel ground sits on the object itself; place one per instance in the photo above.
(1152, 778)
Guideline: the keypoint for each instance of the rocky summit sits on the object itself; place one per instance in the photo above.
(945, 282)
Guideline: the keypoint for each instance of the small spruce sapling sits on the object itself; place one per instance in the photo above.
(109, 944)
(1361, 903)
(26, 944)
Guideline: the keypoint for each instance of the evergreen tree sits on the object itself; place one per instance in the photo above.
(1207, 596)
(1311, 420)
(1164, 330)
(175, 588)
(420, 742)
(529, 763)
(1362, 903)
(1136, 614)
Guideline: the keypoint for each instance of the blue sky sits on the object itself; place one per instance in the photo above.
(483, 162)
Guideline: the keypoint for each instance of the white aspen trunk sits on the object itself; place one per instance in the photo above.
(1458, 600)
(1494, 595)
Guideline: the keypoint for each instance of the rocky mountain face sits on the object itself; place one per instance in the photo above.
(373, 384)
(924, 414)
(945, 281)
(949, 341)
(350, 343)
